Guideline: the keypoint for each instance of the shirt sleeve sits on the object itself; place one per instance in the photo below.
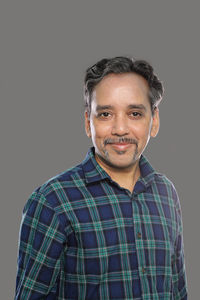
(179, 272)
(41, 245)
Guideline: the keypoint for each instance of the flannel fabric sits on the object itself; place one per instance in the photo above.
(84, 237)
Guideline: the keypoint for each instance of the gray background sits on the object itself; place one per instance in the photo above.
(45, 47)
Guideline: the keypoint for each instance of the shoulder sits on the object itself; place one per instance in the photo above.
(53, 192)
(67, 179)
(163, 179)
(166, 188)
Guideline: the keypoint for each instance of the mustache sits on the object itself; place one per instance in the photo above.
(120, 140)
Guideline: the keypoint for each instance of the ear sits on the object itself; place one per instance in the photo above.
(155, 123)
(87, 124)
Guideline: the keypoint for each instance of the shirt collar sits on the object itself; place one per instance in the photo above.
(94, 172)
(147, 175)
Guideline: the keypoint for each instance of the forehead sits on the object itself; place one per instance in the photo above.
(122, 88)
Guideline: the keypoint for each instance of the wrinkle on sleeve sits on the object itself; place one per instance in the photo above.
(41, 243)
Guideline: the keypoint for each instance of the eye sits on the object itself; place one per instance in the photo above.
(104, 114)
(136, 114)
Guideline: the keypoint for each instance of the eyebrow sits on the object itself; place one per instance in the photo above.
(137, 106)
(102, 107)
(131, 106)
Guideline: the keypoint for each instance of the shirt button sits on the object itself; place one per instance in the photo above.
(139, 235)
(143, 270)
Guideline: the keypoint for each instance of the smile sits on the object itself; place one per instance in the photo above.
(121, 146)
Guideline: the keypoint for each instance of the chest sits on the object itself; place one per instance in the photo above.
(112, 218)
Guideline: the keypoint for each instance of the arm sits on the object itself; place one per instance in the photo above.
(41, 245)
(179, 273)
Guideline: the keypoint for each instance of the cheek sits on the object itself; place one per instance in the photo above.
(141, 130)
(100, 130)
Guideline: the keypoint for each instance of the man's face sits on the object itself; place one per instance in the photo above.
(121, 122)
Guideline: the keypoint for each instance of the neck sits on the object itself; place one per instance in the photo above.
(125, 177)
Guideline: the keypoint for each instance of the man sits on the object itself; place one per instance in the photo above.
(109, 228)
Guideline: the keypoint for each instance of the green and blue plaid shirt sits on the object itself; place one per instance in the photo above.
(84, 237)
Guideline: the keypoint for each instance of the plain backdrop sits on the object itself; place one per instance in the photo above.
(45, 47)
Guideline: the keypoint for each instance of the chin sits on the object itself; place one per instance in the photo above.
(120, 160)
(121, 165)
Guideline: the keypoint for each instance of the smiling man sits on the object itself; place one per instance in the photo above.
(110, 227)
(120, 124)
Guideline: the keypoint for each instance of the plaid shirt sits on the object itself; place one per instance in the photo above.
(85, 237)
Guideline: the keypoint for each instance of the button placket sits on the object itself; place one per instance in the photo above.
(139, 244)
(143, 270)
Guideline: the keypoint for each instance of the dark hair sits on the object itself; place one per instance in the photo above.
(119, 65)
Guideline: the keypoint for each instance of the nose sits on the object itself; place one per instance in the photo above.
(120, 126)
